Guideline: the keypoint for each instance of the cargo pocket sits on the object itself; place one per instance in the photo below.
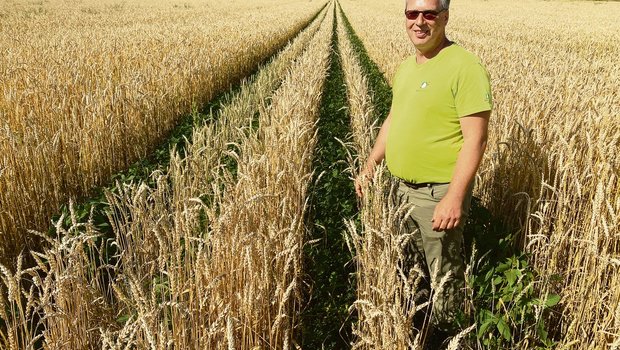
(439, 191)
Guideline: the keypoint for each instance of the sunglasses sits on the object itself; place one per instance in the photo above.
(429, 15)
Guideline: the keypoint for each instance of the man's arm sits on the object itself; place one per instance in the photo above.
(448, 211)
(376, 156)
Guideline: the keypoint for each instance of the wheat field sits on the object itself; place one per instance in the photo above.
(209, 252)
(91, 87)
(176, 281)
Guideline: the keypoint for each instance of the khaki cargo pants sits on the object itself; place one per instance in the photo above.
(436, 252)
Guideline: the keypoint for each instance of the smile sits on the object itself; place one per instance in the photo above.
(421, 33)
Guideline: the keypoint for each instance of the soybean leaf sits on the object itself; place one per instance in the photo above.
(511, 276)
(552, 300)
(498, 280)
(504, 329)
(485, 326)
(542, 332)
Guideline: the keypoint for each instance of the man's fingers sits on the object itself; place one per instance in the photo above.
(437, 224)
(450, 225)
(358, 185)
(456, 223)
(442, 224)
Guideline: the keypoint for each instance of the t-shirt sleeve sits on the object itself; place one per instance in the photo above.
(473, 91)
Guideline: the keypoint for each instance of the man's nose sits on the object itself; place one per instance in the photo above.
(419, 20)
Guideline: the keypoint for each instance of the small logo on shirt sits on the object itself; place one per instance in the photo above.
(424, 85)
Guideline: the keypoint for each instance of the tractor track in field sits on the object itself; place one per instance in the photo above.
(325, 321)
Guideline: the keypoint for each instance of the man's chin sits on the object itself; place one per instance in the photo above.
(421, 45)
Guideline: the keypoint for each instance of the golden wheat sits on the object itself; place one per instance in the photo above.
(89, 88)
(242, 279)
(188, 274)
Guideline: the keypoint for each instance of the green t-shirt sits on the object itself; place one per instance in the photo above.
(425, 135)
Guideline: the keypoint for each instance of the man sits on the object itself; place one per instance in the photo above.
(433, 141)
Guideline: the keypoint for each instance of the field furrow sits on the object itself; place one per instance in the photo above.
(326, 319)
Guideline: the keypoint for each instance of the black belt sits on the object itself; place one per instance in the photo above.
(419, 185)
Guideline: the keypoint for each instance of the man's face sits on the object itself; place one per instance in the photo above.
(426, 34)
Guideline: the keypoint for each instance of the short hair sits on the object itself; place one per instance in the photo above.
(445, 4)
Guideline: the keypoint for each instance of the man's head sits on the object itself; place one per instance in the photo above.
(426, 23)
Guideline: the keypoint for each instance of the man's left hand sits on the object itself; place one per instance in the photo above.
(447, 214)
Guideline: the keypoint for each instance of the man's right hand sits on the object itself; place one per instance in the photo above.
(366, 174)
(377, 154)
(361, 181)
